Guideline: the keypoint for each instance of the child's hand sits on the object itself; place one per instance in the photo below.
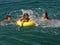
(36, 24)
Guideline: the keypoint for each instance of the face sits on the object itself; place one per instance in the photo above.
(26, 16)
(8, 19)
(44, 15)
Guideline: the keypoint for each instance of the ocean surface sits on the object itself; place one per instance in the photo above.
(11, 34)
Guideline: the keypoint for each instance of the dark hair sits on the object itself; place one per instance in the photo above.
(46, 15)
(8, 16)
(25, 14)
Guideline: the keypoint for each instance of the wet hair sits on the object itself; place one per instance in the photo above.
(46, 15)
(8, 16)
(25, 14)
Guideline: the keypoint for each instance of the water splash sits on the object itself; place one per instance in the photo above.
(53, 24)
(35, 14)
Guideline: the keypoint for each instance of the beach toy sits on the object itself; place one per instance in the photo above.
(25, 24)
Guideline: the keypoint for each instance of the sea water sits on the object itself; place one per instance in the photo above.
(45, 34)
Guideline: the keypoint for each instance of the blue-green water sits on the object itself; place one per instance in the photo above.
(9, 34)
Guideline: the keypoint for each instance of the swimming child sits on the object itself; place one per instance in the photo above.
(26, 18)
(8, 19)
(45, 16)
(45, 20)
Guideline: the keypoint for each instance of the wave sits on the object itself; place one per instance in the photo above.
(3, 2)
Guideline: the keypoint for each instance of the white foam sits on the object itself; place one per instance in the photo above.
(53, 23)
(35, 14)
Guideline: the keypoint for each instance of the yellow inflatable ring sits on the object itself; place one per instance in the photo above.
(25, 24)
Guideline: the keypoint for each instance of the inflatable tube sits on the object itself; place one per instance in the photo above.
(25, 24)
